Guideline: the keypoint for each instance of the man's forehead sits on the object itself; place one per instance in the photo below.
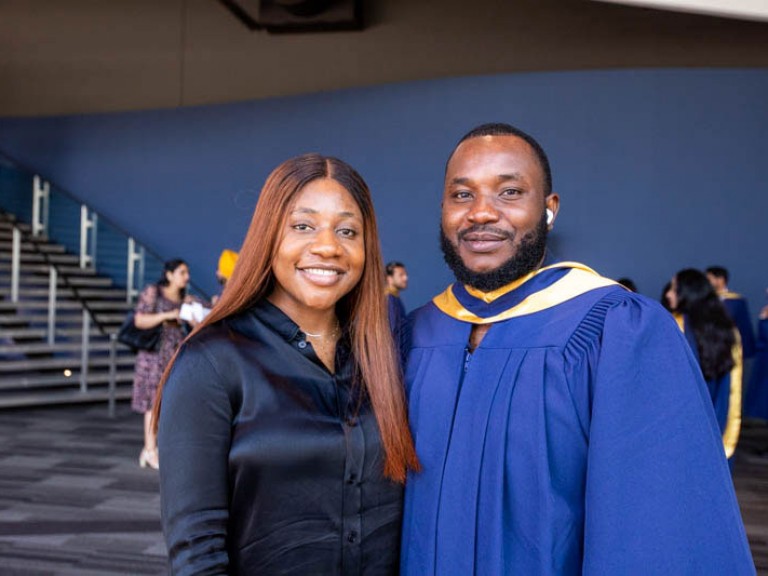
(484, 153)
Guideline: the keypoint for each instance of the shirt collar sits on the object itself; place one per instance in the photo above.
(276, 319)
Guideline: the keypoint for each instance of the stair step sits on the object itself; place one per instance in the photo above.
(6, 305)
(100, 305)
(59, 347)
(27, 246)
(62, 317)
(62, 363)
(64, 305)
(53, 380)
(110, 322)
(37, 257)
(38, 398)
(30, 333)
(43, 280)
(43, 269)
(9, 225)
(6, 235)
(106, 319)
(64, 292)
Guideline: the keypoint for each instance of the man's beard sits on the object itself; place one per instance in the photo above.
(527, 258)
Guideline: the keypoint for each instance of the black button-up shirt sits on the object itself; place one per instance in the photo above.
(270, 464)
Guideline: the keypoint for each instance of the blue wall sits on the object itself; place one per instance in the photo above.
(657, 169)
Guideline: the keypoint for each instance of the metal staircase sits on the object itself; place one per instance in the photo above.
(62, 302)
(45, 355)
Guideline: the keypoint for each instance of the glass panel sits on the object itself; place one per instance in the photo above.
(15, 191)
(64, 227)
(64, 221)
(112, 253)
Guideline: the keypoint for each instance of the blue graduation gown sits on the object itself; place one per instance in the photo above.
(578, 438)
(738, 310)
(756, 401)
(396, 313)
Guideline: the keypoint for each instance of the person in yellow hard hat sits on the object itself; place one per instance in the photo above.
(227, 262)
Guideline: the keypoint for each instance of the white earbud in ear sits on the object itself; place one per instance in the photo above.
(550, 216)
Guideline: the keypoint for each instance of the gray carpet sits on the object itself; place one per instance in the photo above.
(73, 500)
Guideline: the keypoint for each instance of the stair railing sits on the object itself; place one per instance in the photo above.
(40, 206)
(89, 220)
(53, 280)
(15, 264)
(46, 202)
(135, 270)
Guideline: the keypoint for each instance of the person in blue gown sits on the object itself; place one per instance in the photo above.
(715, 343)
(561, 421)
(756, 400)
(736, 306)
(397, 281)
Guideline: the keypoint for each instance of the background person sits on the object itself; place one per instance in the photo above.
(736, 306)
(226, 266)
(715, 342)
(282, 424)
(628, 283)
(756, 399)
(158, 304)
(397, 281)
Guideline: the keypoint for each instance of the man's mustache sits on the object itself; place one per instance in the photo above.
(479, 228)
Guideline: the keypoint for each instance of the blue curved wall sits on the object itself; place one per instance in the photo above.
(657, 169)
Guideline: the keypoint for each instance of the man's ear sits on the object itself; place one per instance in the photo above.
(552, 203)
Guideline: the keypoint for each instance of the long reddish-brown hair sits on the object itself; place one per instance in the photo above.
(362, 311)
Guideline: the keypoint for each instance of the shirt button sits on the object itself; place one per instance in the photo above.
(352, 537)
(302, 344)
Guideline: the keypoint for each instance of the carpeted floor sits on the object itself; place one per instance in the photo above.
(73, 500)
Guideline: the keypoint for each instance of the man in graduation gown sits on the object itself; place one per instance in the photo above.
(397, 281)
(736, 306)
(562, 423)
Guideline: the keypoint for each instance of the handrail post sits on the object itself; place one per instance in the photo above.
(142, 268)
(85, 351)
(112, 373)
(52, 294)
(15, 264)
(88, 222)
(134, 278)
(40, 206)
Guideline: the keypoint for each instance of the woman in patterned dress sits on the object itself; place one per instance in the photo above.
(158, 304)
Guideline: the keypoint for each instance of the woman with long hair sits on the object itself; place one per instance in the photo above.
(158, 303)
(715, 343)
(282, 421)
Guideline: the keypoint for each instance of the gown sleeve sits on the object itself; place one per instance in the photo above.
(659, 495)
(194, 441)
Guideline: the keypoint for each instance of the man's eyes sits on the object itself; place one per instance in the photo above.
(505, 193)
